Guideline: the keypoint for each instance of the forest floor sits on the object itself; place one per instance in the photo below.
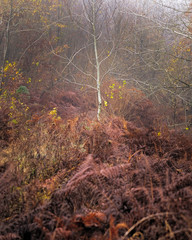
(72, 177)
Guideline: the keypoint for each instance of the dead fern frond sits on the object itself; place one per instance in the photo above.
(94, 219)
(181, 232)
(114, 172)
(10, 236)
(114, 229)
(87, 168)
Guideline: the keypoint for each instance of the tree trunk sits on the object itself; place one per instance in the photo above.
(97, 63)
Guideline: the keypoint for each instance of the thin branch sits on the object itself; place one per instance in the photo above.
(157, 215)
(79, 84)
(172, 8)
(111, 51)
(32, 44)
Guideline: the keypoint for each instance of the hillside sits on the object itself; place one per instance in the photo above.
(73, 177)
(95, 120)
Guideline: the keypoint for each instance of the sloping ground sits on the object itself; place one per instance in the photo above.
(116, 181)
(69, 103)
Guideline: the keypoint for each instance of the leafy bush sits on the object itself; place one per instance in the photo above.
(128, 102)
(22, 90)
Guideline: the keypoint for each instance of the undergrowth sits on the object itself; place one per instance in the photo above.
(82, 179)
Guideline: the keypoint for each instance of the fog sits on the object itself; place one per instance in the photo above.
(176, 4)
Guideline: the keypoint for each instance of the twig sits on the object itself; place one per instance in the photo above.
(146, 219)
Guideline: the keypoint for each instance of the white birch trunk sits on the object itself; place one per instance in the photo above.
(97, 63)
